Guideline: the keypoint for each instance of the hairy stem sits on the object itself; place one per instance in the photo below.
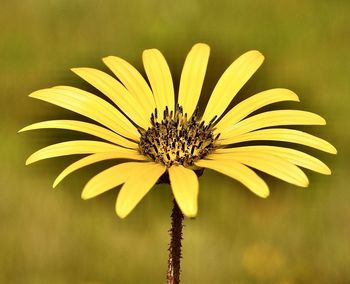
(173, 274)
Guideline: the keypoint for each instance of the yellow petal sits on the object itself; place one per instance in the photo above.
(74, 148)
(269, 164)
(273, 118)
(117, 93)
(108, 179)
(133, 81)
(254, 103)
(90, 106)
(84, 127)
(140, 181)
(284, 135)
(94, 158)
(238, 172)
(184, 183)
(192, 77)
(159, 76)
(233, 79)
(294, 156)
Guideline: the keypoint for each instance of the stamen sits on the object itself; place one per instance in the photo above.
(177, 140)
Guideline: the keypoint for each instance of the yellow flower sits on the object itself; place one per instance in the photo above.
(168, 140)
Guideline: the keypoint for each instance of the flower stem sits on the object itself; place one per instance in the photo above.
(173, 273)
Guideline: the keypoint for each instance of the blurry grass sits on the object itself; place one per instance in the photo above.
(295, 236)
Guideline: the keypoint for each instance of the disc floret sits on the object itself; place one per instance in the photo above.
(177, 140)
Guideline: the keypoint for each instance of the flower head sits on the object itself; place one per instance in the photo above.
(169, 139)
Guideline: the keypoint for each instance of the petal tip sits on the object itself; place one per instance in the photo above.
(293, 95)
(264, 191)
(29, 161)
(39, 93)
(75, 69)
(121, 216)
(79, 70)
(56, 182)
(149, 50)
(257, 54)
(86, 194)
(201, 45)
(333, 150)
(191, 215)
(108, 58)
(121, 213)
(34, 94)
(105, 59)
(304, 184)
(22, 129)
(190, 211)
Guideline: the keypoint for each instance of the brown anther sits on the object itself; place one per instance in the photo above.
(177, 140)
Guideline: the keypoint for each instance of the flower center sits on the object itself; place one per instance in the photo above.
(177, 140)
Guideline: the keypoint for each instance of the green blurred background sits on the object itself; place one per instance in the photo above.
(295, 236)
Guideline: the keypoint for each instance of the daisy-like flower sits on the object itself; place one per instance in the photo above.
(168, 140)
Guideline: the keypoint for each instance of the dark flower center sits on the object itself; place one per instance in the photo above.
(177, 140)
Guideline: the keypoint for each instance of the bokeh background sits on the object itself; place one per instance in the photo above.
(52, 236)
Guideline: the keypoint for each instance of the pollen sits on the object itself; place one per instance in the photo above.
(176, 139)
